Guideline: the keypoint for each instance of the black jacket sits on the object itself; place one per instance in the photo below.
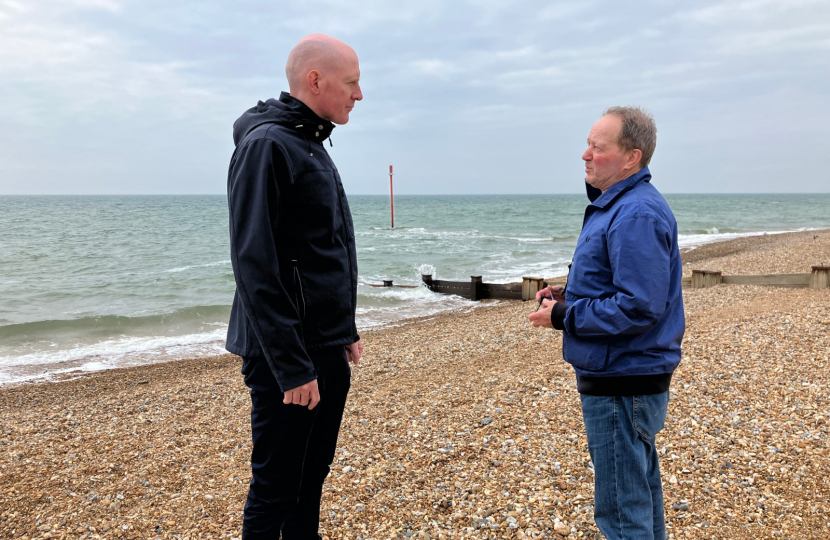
(292, 241)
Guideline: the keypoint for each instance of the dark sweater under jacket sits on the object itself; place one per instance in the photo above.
(292, 241)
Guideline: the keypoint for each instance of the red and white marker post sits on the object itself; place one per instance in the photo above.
(391, 197)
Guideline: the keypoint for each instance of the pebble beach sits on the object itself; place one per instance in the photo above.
(461, 425)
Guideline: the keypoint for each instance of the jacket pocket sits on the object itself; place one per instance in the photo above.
(585, 355)
(298, 288)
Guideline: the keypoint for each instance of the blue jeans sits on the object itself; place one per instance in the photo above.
(628, 495)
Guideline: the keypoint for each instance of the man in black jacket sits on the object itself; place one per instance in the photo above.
(294, 261)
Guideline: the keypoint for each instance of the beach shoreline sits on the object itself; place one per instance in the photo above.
(90, 366)
(456, 421)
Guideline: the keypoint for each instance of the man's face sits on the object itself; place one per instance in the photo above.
(339, 89)
(605, 161)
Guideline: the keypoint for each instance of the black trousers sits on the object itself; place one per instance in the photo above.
(293, 448)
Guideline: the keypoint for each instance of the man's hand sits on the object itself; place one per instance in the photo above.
(354, 352)
(307, 394)
(556, 292)
(542, 317)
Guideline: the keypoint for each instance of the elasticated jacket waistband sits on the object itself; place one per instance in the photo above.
(631, 385)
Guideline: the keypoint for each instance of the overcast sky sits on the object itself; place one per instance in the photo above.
(128, 96)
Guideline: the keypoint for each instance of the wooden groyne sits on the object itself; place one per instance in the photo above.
(477, 289)
(818, 278)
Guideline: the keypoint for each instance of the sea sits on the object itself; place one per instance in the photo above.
(90, 283)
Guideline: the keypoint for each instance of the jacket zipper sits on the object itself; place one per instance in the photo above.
(298, 286)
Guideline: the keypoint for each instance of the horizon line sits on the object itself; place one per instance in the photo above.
(404, 194)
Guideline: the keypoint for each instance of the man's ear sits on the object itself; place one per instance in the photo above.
(633, 161)
(313, 81)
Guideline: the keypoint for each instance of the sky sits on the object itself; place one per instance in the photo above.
(486, 96)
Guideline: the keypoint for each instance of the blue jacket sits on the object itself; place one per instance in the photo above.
(623, 317)
(292, 241)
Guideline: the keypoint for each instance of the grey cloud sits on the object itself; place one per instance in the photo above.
(721, 13)
(461, 96)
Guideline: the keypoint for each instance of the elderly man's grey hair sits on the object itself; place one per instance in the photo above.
(638, 131)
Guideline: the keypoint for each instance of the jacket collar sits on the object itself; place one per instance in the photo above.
(309, 124)
(611, 194)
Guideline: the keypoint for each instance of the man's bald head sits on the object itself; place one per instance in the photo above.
(323, 73)
(315, 51)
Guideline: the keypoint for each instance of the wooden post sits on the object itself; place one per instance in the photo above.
(530, 286)
(387, 282)
(475, 287)
(427, 279)
(702, 279)
(820, 277)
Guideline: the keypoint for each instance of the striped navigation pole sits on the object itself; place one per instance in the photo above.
(391, 197)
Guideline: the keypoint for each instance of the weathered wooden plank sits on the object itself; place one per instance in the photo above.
(501, 294)
(530, 286)
(702, 279)
(503, 287)
(458, 288)
(475, 288)
(820, 277)
(453, 284)
(453, 290)
(773, 280)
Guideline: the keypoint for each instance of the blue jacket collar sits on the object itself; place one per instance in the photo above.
(611, 194)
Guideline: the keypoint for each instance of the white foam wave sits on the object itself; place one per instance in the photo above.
(425, 304)
(695, 240)
(208, 265)
(513, 274)
(422, 233)
(389, 229)
(110, 354)
(397, 293)
(524, 239)
(427, 270)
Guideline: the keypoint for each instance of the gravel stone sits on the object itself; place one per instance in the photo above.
(746, 447)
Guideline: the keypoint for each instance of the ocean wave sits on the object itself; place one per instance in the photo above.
(396, 229)
(425, 234)
(523, 239)
(427, 270)
(697, 239)
(394, 306)
(208, 265)
(109, 324)
(109, 354)
(415, 294)
(513, 274)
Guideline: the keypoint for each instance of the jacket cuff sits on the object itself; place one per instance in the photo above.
(557, 315)
(290, 383)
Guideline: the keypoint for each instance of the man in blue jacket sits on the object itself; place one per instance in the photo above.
(622, 320)
(294, 262)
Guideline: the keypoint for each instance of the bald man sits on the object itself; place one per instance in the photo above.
(294, 262)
